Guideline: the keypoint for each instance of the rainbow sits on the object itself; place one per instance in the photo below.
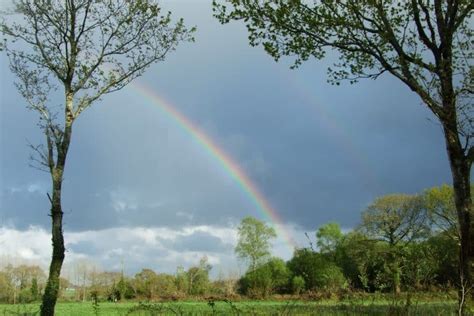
(223, 159)
(338, 130)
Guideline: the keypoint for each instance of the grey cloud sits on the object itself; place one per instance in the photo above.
(200, 241)
(316, 152)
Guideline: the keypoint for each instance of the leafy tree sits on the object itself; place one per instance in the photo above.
(329, 237)
(181, 280)
(442, 250)
(20, 279)
(198, 278)
(426, 44)
(145, 283)
(254, 241)
(419, 265)
(123, 289)
(268, 278)
(396, 219)
(88, 48)
(360, 260)
(6, 287)
(297, 284)
(165, 285)
(317, 271)
(440, 204)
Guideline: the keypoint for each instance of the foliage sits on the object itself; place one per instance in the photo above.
(198, 278)
(317, 271)
(345, 264)
(297, 284)
(329, 236)
(425, 44)
(440, 205)
(123, 290)
(395, 218)
(254, 241)
(145, 283)
(271, 277)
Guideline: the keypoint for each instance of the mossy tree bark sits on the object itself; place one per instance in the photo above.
(56, 166)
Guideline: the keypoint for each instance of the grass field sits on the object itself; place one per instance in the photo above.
(242, 308)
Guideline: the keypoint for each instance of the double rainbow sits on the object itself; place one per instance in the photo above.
(221, 157)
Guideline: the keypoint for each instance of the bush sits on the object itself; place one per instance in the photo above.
(297, 284)
(317, 271)
(271, 277)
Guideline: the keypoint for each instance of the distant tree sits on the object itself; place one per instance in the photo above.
(328, 237)
(440, 205)
(6, 288)
(442, 247)
(20, 280)
(88, 48)
(254, 241)
(426, 44)
(317, 271)
(226, 284)
(360, 261)
(181, 280)
(198, 278)
(34, 289)
(297, 284)
(165, 285)
(268, 278)
(396, 219)
(124, 289)
(82, 271)
(420, 266)
(145, 283)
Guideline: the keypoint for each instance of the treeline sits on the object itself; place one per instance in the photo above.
(25, 284)
(403, 243)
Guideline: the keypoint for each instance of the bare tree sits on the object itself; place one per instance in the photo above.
(87, 49)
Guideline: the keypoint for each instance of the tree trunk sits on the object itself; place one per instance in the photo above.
(396, 280)
(52, 287)
(460, 169)
(51, 291)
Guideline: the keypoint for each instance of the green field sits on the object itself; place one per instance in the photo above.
(242, 308)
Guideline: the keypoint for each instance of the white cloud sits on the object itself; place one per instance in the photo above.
(32, 188)
(121, 201)
(32, 245)
(136, 247)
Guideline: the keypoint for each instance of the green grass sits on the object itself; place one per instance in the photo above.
(367, 307)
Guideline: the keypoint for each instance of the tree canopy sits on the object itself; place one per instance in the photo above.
(426, 44)
(254, 241)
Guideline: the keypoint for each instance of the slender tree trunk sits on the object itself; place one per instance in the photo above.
(51, 291)
(460, 169)
(52, 287)
(396, 279)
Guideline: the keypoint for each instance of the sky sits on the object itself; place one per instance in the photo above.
(140, 190)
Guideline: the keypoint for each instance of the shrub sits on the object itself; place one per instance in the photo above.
(297, 284)
(271, 277)
(317, 271)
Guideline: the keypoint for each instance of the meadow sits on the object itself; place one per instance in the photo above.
(375, 306)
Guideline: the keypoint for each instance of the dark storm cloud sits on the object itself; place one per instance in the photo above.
(317, 152)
